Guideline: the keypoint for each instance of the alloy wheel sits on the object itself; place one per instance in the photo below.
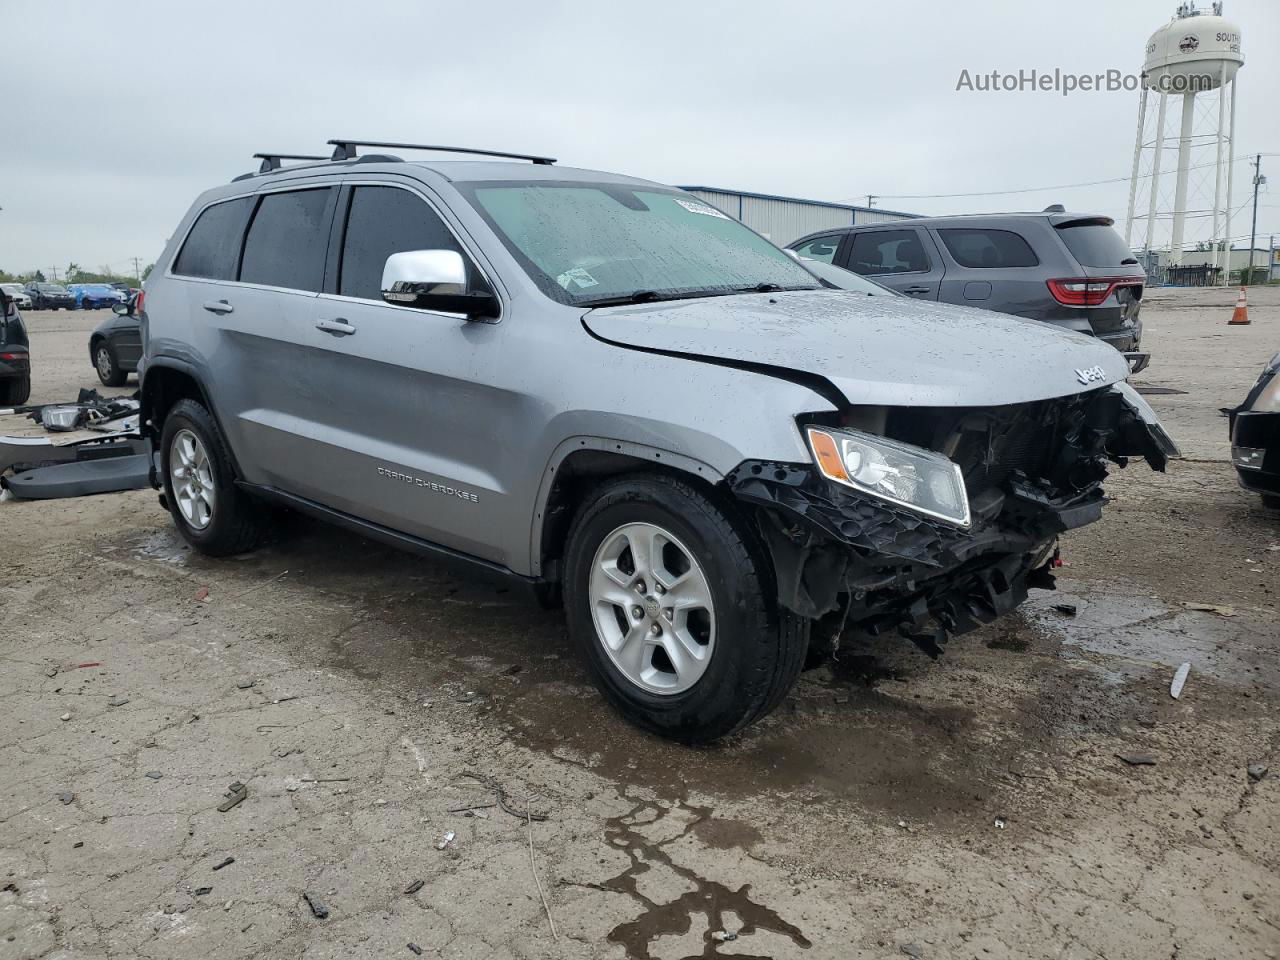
(652, 608)
(191, 473)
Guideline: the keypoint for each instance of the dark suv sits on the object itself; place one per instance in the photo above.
(1073, 270)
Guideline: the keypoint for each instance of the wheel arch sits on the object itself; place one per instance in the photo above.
(165, 381)
(582, 462)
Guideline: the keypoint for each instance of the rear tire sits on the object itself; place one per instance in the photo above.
(15, 392)
(211, 512)
(753, 648)
(108, 367)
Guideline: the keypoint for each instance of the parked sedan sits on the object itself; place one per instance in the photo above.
(50, 296)
(1255, 436)
(17, 295)
(94, 296)
(115, 346)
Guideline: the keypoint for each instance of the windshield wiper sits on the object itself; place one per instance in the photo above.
(649, 296)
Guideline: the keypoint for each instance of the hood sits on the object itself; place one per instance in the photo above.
(891, 351)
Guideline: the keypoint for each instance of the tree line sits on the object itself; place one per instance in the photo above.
(74, 273)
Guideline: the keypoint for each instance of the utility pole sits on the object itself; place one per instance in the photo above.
(871, 199)
(1258, 180)
(137, 270)
(54, 271)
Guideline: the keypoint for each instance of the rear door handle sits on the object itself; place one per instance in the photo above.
(917, 289)
(338, 327)
(218, 306)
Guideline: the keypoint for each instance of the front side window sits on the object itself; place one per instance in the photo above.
(880, 252)
(287, 239)
(822, 249)
(382, 221)
(591, 244)
(212, 248)
(987, 249)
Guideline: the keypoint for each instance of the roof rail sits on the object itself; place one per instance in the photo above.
(346, 150)
(271, 161)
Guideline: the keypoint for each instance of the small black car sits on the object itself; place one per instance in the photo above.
(50, 296)
(1255, 436)
(116, 345)
(15, 355)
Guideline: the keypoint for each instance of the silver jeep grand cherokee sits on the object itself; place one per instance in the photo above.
(609, 392)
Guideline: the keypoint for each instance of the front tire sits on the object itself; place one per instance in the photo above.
(108, 367)
(670, 600)
(210, 511)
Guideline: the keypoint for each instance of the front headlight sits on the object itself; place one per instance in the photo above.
(1268, 400)
(908, 476)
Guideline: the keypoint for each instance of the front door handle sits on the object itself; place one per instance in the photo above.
(218, 306)
(338, 327)
(917, 290)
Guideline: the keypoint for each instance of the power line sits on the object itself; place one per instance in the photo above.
(1060, 186)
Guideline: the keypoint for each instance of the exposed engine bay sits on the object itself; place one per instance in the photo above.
(1031, 471)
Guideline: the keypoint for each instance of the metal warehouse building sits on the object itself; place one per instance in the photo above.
(783, 219)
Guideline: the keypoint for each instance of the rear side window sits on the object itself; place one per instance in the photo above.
(212, 249)
(820, 248)
(382, 221)
(988, 249)
(1095, 244)
(879, 252)
(287, 240)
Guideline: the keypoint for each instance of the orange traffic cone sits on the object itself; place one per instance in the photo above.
(1241, 315)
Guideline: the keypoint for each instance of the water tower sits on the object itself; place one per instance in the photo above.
(1192, 61)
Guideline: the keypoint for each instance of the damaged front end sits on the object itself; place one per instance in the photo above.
(875, 563)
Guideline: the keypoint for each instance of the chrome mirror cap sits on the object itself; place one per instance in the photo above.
(408, 275)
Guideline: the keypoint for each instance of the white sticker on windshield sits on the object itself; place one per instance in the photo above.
(577, 276)
(693, 206)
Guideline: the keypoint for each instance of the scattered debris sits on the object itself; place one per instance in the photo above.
(1257, 771)
(51, 672)
(153, 774)
(1137, 759)
(69, 797)
(117, 701)
(201, 891)
(503, 798)
(77, 845)
(471, 808)
(245, 684)
(318, 909)
(324, 779)
(1179, 680)
(723, 936)
(415, 948)
(1067, 608)
(414, 887)
(1222, 610)
(912, 950)
(236, 793)
(81, 666)
(1001, 822)
(445, 840)
(225, 863)
(65, 716)
(202, 595)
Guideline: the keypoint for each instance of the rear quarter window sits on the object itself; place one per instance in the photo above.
(1095, 244)
(212, 248)
(980, 248)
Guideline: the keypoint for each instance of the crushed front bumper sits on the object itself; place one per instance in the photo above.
(886, 567)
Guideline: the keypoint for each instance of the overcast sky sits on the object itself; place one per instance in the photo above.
(117, 115)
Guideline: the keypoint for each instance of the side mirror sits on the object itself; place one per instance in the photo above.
(121, 309)
(434, 280)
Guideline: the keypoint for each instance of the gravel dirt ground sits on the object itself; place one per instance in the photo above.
(374, 707)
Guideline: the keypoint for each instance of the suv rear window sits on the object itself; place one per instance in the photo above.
(987, 249)
(213, 245)
(287, 240)
(1095, 244)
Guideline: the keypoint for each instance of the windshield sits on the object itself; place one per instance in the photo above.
(591, 244)
(51, 288)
